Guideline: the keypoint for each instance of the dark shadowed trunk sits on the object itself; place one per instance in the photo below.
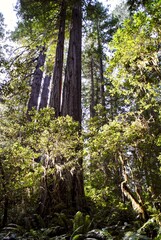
(36, 83)
(45, 92)
(5, 196)
(72, 84)
(55, 99)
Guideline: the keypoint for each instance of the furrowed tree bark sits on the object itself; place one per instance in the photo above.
(55, 99)
(36, 83)
(66, 185)
(72, 84)
(72, 99)
(45, 92)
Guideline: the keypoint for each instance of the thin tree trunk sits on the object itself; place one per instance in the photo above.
(36, 84)
(97, 98)
(137, 206)
(55, 99)
(92, 111)
(102, 89)
(45, 92)
(100, 52)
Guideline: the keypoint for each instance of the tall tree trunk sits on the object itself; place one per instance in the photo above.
(46, 204)
(72, 99)
(66, 188)
(92, 104)
(36, 83)
(100, 52)
(55, 99)
(72, 84)
(102, 89)
(45, 92)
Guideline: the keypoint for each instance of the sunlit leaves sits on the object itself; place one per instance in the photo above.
(53, 136)
(134, 68)
(28, 149)
(117, 136)
(37, 21)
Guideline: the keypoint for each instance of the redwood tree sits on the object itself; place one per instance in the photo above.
(56, 90)
(72, 84)
(71, 104)
(36, 82)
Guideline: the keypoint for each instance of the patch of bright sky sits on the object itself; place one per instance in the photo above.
(112, 3)
(7, 8)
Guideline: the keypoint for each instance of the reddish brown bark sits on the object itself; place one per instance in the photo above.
(72, 84)
(55, 99)
(72, 99)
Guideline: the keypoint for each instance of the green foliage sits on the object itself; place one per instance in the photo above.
(121, 144)
(149, 230)
(134, 66)
(81, 229)
(99, 234)
(81, 225)
(17, 232)
(22, 143)
(36, 20)
(48, 131)
(99, 28)
(117, 135)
